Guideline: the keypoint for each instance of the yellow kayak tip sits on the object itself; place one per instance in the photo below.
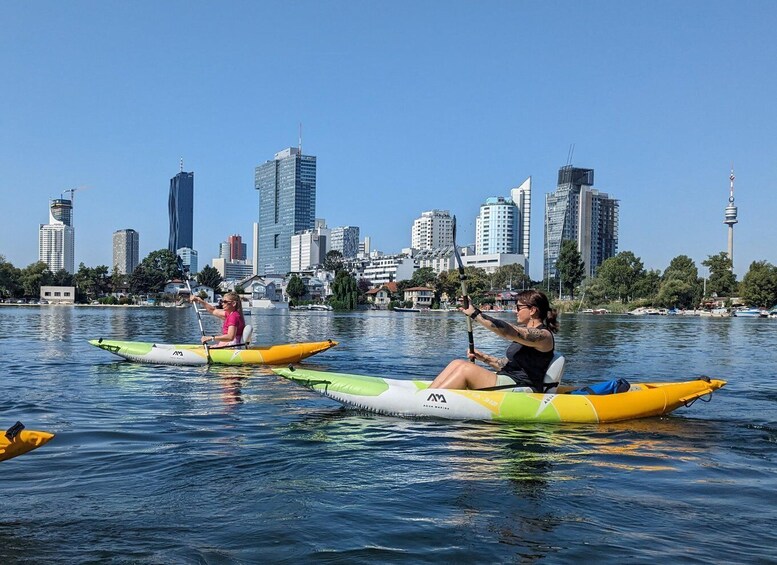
(17, 440)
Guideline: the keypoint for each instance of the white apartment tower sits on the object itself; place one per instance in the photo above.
(503, 225)
(432, 230)
(56, 240)
(126, 250)
(309, 248)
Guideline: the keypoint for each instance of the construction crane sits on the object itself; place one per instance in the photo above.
(72, 191)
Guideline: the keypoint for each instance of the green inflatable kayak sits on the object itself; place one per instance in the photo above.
(414, 398)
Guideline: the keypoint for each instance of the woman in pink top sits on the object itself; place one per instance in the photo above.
(232, 314)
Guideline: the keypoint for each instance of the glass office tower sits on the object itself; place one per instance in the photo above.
(577, 212)
(345, 239)
(287, 205)
(180, 206)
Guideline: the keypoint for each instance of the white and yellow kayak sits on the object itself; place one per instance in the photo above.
(195, 354)
(17, 441)
(414, 398)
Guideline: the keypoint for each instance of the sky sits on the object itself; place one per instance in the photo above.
(408, 106)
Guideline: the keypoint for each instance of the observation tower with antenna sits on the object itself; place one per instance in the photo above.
(731, 218)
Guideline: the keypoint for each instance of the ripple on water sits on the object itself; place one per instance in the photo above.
(235, 465)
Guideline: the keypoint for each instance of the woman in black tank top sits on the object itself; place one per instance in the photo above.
(527, 358)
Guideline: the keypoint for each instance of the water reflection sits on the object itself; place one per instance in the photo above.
(242, 458)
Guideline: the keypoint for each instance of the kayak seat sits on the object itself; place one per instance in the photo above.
(552, 376)
(554, 373)
(247, 331)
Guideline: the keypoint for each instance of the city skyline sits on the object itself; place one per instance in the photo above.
(438, 110)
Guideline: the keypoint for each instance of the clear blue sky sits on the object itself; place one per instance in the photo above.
(408, 106)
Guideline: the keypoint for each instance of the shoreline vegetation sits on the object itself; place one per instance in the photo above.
(565, 307)
(621, 285)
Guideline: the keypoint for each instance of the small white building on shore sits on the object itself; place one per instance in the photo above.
(58, 294)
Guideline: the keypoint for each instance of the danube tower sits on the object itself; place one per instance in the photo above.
(731, 219)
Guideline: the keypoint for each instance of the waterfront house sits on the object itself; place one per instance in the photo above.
(381, 296)
(420, 296)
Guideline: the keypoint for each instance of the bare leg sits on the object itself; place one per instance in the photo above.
(461, 374)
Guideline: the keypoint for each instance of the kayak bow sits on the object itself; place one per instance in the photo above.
(17, 441)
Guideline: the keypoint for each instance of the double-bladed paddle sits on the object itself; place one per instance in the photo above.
(185, 274)
(464, 296)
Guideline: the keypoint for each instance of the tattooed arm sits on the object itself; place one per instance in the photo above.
(497, 363)
(540, 340)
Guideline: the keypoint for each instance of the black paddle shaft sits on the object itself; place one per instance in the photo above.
(464, 295)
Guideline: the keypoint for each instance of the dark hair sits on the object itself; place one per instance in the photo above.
(537, 298)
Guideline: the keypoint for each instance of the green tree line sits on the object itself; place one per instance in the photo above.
(624, 279)
(620, 279)
(92, 283)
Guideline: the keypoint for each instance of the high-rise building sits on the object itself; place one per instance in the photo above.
(522, 199)
(287, 205)
(365, 246)
(503, 225)
(255, 247)
(56, 240)
(189, 258)
(233, 270)
(309, 248)
(578, 212)
(237, 249)
(345, 239)
(434, 229)
(126, 250)
(180, 205)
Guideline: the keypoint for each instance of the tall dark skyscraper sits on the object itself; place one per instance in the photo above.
(180, 207)
(287, 205)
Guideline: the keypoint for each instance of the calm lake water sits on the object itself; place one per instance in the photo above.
(157, 464)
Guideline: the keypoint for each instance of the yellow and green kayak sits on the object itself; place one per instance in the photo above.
(195, 354)
(17, 441)
(411, 398)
